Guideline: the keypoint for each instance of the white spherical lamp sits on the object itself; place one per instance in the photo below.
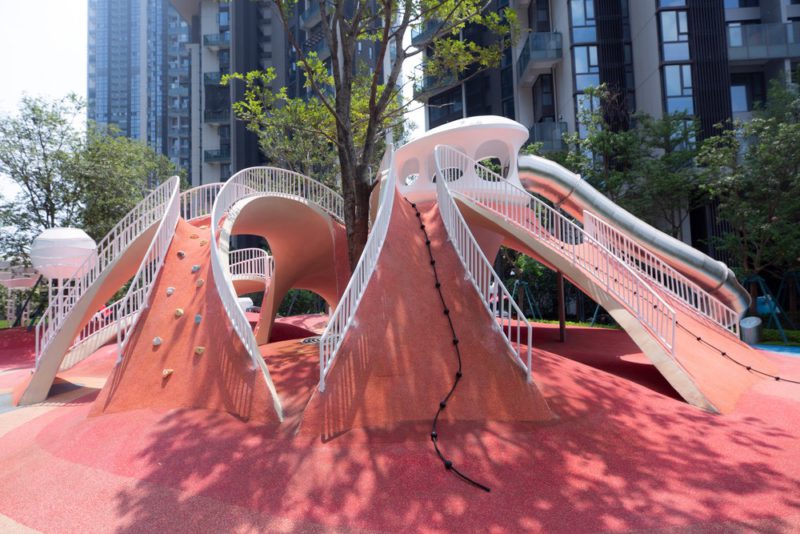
(57, 253)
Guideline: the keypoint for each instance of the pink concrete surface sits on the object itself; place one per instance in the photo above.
(397, 362)
(621, 457)
(221, 378)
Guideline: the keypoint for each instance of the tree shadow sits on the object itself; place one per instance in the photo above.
(620, 457)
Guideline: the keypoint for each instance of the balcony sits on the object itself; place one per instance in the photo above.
(320, 46)
(212, 78)
(217, 41)
(764, 42)
(424, 32)
(540, 53)
(311, 16)
(427, 85)
(550, 134)
(217, 116)
(220, 155)
(178, 131)
(177, 90)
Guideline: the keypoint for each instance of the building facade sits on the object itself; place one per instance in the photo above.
(138, 74)
(710, 58)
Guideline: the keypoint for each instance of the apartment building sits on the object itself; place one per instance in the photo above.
(138, 73)
(711, 58)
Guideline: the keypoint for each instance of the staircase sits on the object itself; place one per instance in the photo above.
(142, 217)
(560, 234)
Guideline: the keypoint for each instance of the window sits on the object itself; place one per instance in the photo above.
(674, 35)
(671, 3)
(584, 25)
(733, 4)
(678, 88)
(224, 19)
(587, 71)
(747, 90)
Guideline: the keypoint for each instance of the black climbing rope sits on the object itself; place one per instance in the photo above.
(734, 360)
(448, 464)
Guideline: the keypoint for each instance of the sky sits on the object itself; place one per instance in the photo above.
(44, 49)
(43, 45)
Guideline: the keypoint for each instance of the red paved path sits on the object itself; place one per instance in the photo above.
(622, 456)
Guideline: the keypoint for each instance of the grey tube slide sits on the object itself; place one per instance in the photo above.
(571, 193)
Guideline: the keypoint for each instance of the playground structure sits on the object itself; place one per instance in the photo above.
(184, 341)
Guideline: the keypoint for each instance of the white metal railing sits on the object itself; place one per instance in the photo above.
(100, 329)
(198, 201)
(64, 296)
(566, 238)
(252, 182)
(342, 317)
(138, 295)
(494, 294)
(251, 263)
(662, 274)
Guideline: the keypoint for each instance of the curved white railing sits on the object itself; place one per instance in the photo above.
(565, 237)
(250, 263)
(342, 317)
(198, 201)
(100, 329)
(660, 273)
(252, 182)
(494, 294)
(62, 299)
(138, 295)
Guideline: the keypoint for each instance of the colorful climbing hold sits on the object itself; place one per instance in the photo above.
(178, 312)
(166, 372)
(156, 341)
(170, 291)
(200, 282)
(203, 242)
(181, 254)
(195, 268)
(194, 236)
(197, 318)
(199, 350)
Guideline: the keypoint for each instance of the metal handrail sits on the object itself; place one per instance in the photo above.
(198, 201)
(252, 182)
(566, 238)
(138, 294)
(146, 213)
(495, 296)
(250, 262)
(660, 273)
(98, 331)
(341, 319)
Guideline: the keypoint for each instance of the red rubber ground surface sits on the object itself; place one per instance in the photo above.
(624, 455)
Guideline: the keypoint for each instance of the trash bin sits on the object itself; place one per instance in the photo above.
(751, 327)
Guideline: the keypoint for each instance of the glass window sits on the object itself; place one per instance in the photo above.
(733, 4)
(587, 71)
(583, 22)
(671, 3)
(674, 35)
(678, 88)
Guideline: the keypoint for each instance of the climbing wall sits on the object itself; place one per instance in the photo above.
(183, 353)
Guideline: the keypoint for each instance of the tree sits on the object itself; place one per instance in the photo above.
(114, 174)
(360, 105)
(66, 175)
(646, 165)
(605, 151)
(753, 171)
(667, 187)
(36, 150)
